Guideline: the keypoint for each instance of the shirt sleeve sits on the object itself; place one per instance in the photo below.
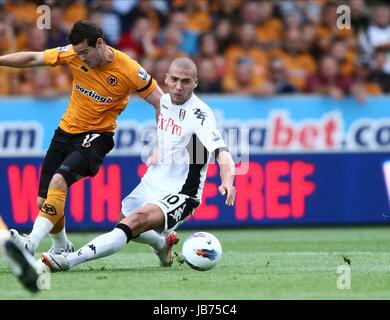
(206, 130)
(139, 80)
(58, 56)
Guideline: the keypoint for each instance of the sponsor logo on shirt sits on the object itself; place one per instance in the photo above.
(169, 125)
(93, 94)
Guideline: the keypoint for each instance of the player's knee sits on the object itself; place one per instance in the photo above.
(58, 182)
(140, 220)
(40, 202)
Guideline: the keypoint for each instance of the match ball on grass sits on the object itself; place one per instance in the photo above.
(202, 251)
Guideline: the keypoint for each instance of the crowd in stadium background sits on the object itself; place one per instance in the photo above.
(260, 48)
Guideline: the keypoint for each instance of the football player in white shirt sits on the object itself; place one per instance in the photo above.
(172, 187)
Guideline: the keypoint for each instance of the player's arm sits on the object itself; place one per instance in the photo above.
(23, 59)
(154, 99)
(227, 171)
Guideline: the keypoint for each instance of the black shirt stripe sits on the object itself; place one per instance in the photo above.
(147, 86)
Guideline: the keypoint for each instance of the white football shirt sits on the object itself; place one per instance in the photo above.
(187, 135)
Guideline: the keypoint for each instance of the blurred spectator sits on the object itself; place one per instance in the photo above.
(302, 10)
(37, 39)
(225, 9)
(377, 34)
(309, 41)
(139, 39)
(208, 78)
(363, 84)
(160, 70)
(57, 36)
(346, 58)
(359, 16)
(208, 49)
(378, 73)
(74, 11)
(22, 12)
(40, 82)
(268, 28)
(298, 63)
(178, 20)
(7, 36)
(199, 20)
(146, 8)
(223, 33)
(246, 47)
(277, 80)
(8, 76)
(170, 44)
(328, 80)
(110, 22)
(244, 80)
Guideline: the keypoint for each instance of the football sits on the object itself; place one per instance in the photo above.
(202, 251)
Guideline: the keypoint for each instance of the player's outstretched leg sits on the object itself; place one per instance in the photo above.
(161, 245)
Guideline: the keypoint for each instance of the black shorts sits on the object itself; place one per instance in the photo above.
(177, 207)
(81, 153)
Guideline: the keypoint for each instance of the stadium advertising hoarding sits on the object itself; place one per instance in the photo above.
(301, 160)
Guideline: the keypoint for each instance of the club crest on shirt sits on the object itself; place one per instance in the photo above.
(142, 74)
(112, 80)
(182, 114)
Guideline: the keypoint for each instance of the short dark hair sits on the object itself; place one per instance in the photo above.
(85, 30)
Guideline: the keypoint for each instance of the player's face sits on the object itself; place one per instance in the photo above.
(181, 83)
(90, 55)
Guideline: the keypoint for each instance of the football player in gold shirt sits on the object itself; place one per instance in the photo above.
(103, 78)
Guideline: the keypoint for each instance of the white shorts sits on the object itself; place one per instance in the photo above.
(175, 206)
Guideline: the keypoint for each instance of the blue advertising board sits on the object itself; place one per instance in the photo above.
(300, 160)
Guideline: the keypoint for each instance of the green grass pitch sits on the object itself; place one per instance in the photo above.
(264, 263)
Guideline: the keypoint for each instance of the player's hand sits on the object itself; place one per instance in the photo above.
(153, 157)
(230, 192)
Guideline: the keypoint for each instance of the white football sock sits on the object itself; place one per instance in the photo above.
(41, 228)
(60, 240)
(102, 246)
(151, 238)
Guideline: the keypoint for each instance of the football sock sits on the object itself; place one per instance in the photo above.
(41, 228)
(50, 214)
(58, 236)
(102, 246)
(151, 238)
(53, 207)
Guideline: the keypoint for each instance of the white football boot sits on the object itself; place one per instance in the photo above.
(165, 254)
(22, 241)
(69, 248)
(56, 262)
(21, 264)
